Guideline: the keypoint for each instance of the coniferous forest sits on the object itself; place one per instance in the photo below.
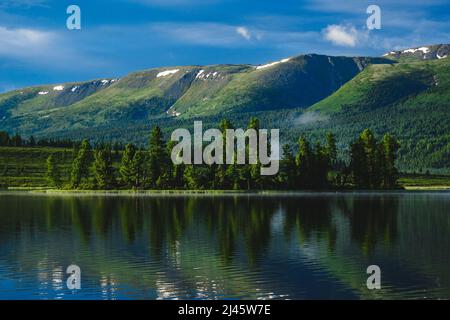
(302, 167)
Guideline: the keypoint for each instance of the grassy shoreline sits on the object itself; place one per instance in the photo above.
(47, 191)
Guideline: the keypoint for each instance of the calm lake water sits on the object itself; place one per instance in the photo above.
(302, 246)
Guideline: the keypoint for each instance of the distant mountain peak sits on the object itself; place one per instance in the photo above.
(432, 52)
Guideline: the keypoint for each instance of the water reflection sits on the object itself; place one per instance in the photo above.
(293, 246)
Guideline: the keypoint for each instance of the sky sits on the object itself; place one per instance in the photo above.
(121, 36)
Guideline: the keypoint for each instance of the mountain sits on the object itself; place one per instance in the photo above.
(409, 99)
(296, 82)
(405, 92)
(438, 51)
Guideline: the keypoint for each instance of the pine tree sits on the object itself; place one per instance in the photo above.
(224, 180)
(138, 169)
(371, 148)
(389, 147)
(358, 164)
(81, 164)
(249, 174)
(304, 161)
(103, 168)
(320, 167)
(158, 159)
(126, 166)
(372, 163)
(53, 174)
(288, 170)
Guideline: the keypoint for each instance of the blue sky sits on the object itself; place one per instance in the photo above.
(121, 36)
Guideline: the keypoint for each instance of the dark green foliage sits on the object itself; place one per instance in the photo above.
(103, 168)
(309, 166)
(81, 165)
(373, 163)
(126, 167)
(159, 163)
(53, 174)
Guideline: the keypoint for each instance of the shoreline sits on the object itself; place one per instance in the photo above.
(163, 193)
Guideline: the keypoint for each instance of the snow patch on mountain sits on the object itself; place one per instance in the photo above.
(423, 49)
(167, 73)
(272, 64)
(42, 93)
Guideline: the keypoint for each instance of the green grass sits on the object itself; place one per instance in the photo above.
(26, 167)
(424, 180)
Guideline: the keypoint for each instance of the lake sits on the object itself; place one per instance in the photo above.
(280, 246)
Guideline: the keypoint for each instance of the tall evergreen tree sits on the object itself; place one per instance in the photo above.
(103, 168)
(81, 165)
(304, 161)
(138, 169)
(225, 181)
(158, 159)
(320, 167)
(250, 174)
(389, 147)
(126, 166)
(288, 169)
(53, 175)
(373, 158)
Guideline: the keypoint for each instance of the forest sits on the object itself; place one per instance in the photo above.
(302, 167)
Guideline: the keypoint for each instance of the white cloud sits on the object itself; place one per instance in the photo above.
(44, 49)
(23, 42)
(244, 32)
(200, 33)
(346, 36)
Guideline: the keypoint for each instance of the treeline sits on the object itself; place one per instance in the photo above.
(372, 166)
(18, 141)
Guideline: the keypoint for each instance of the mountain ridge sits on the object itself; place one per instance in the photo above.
(404, 94)
(187, 91)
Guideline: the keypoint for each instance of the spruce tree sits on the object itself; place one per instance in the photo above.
(103, 168)
(81, 165)
(53, 174)
(158, 159)
(138, 169)
(126, 170)
(389, 147)
(304, 161)
(288, 171)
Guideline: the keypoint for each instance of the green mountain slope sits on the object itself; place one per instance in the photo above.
(406, 93)
(177, 92)
(410, 100)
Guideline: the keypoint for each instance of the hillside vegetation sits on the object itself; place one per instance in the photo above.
(405, 93)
